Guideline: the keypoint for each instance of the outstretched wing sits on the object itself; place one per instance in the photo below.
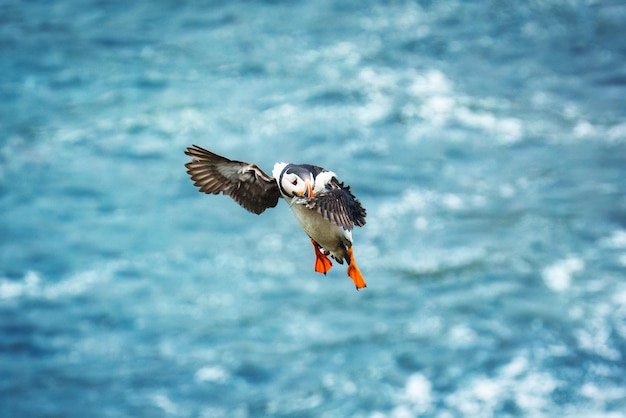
(339, 206)
(246, 183)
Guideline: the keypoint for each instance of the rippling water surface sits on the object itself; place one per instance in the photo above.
(487, 141)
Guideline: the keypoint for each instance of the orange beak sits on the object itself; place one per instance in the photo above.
(309, 190)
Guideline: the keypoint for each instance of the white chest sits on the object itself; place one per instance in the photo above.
(326, 233)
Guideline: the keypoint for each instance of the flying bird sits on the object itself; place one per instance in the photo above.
(325, 208)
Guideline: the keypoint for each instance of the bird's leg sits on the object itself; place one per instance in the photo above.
(354, 272)
(322, 263)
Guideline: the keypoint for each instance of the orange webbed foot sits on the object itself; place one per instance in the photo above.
(355, 273)
(322, 263)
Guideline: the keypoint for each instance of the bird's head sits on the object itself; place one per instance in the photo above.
(294, 180)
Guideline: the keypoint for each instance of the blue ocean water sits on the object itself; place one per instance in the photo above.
(487, 141)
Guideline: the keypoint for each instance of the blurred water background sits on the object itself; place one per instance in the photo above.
(487, 141)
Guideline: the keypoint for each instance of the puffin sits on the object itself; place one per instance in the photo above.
(325, 208)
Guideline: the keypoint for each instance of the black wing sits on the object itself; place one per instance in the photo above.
(339, 206)
(246, 183)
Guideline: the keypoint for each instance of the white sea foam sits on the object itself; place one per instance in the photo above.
(617, 133)
(596, 335)
(377, 85)
(75, 285)
(10, 289)
(429, 83)
(28, 286)
(558, 276)
(440, 104)
(462, 336)
(416, 399)
(482, 395)
(163, 402)
(418, 392)
(616, 240)
(213, 374)
(602, 394)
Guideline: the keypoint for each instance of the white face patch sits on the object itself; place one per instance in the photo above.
(293, 180)
(277, 173)
(292, 184)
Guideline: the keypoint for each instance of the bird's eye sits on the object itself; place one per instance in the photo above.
(294, 181)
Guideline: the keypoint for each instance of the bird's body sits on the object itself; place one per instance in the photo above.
(329, 236)
(326, 209)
